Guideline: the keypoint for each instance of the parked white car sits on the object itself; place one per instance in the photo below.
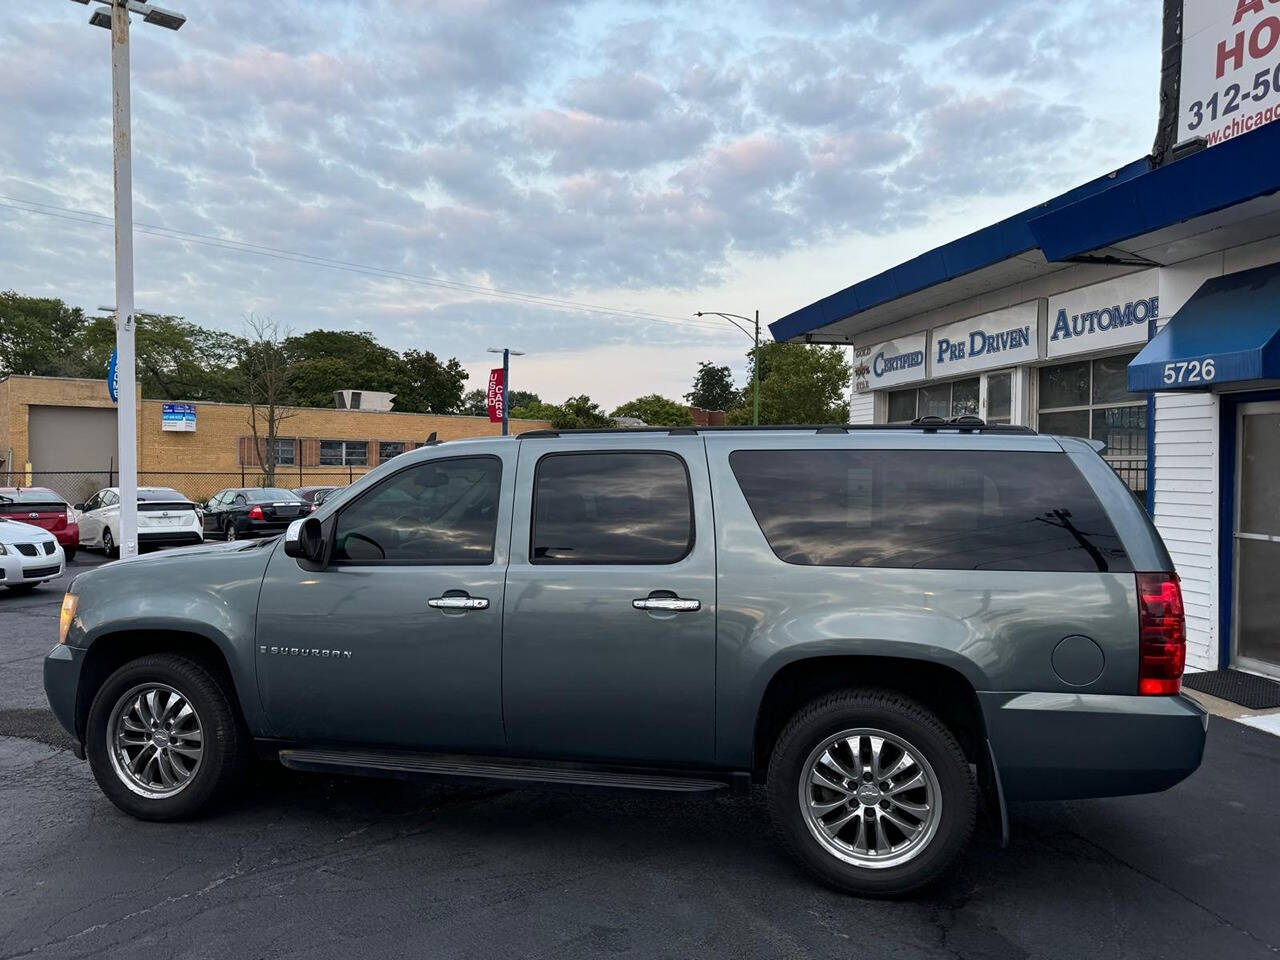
(29, 555)
(165, 519)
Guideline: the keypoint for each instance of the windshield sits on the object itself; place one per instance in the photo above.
(271, 493)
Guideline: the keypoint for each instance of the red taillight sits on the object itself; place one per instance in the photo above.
(255, 513)
(1162, 634)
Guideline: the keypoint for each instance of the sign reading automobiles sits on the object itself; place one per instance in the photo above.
(1230, 82)
(895, 362)
(1106, 315)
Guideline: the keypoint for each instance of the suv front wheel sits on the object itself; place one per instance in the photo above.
(871, 792)
(163, 739)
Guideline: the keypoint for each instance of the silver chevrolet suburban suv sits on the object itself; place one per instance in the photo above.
(889, 628)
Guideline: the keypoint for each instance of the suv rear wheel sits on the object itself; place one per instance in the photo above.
(871, 792)
(163, 739)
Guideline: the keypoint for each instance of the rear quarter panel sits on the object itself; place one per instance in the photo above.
(996, 628)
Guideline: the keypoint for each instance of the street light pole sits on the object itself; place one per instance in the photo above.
(126, 413)
(507, 354)
(755, 351)
(117, 21)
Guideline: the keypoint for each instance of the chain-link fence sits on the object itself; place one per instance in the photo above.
(77, 486)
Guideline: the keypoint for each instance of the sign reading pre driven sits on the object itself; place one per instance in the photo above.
(999, 339)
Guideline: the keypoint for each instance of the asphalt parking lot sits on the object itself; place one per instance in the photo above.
(319, 867)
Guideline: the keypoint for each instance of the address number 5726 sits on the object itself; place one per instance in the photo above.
(1189, 371)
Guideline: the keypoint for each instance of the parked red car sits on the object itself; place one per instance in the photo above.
(41, 507)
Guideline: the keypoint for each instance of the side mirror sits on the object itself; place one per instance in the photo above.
(305, 540)
(77, 506)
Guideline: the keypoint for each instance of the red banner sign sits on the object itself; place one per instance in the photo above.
(494, 397)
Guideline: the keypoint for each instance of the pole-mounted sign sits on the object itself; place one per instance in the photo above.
(113, 376)
(496, 395)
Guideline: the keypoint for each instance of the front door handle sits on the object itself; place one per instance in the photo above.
(456, 602)
(667, 604)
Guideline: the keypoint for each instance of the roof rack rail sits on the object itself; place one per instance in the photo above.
(966, 424)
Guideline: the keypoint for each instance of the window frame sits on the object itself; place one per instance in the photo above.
(1116, 462)
(336, 518)
(404, 448)
(346, 461)
(533, 506)
(983, 378)
(293, 451)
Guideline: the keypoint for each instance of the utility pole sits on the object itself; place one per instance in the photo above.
(755, 350)
(122, 150)
(507, 354)
(127, 409)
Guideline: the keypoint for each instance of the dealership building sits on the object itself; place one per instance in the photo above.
(1142, 310)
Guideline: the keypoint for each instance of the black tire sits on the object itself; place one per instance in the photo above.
(69, 553)
(224, 741)
(109, 544)
(901, 717)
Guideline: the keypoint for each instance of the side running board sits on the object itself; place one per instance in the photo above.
(426, 766)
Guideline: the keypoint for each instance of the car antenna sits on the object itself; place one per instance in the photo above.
(431, 440)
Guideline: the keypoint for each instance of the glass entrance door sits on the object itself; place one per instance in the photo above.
(1257, 539)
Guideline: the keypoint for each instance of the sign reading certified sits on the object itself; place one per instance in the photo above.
(897, 361)
(998, 339)
(1230, 67)
(1111, 314)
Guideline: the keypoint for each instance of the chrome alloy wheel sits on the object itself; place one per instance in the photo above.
(870, 798)
(155, 740)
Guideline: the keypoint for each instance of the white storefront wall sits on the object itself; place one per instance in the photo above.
(1095, 320)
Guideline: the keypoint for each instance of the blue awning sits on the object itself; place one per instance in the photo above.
(1229, 330)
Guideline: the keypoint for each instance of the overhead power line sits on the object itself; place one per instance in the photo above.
(294, 256)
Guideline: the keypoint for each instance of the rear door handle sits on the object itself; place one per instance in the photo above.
(669, 604)
(459, 603)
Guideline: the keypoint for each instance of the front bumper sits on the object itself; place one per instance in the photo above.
(1062, 746)
(62, 669)
(15, 568)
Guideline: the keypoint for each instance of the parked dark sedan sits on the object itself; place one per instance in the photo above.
(314, 495)
(251, 512)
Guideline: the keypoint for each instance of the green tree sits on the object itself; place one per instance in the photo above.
(41, 336)
(176, 360)
(537, 410)
(521, 398)
(713, 388)
(799, 384)
(474, 403)
(656, 411)
(430, 386)
(324, 361)
(574, 413)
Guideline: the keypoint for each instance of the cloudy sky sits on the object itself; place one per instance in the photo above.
(650, 158)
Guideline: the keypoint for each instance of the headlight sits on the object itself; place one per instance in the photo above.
(69, 603)
(3, 551)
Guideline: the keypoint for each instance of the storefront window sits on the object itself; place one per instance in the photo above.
(999, 398)
(1090, 398)
(959, 398)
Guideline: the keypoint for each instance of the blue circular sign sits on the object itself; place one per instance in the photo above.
(113, 377)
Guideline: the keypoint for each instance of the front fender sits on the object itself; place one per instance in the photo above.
(210, 593)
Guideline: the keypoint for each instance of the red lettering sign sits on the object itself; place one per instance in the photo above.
(494, 396)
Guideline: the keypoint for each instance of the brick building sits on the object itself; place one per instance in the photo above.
(61, 432)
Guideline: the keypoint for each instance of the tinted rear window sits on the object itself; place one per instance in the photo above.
(27, 500)
(158, 494)
(932, 509)
(591, 508)
(270, 495)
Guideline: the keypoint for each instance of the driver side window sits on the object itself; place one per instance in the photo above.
(440, 512)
